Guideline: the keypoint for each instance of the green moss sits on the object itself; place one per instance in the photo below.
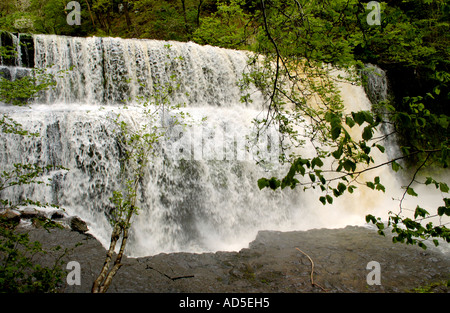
(434, 287)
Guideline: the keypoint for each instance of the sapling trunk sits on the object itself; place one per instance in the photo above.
(103, 281)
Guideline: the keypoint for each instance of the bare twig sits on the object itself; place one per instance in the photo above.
(412, 181)
(266, 26)
(169, 277)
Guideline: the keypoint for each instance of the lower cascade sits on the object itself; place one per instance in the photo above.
(201, 191)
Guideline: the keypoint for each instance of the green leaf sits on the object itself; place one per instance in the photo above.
(362, 116)
(351, 188)
(411, 192)
(338, 153)
(367, 133)
(442, 210)
(422, 245)
(395, 166)
(335, 131)
(349, 121)
(420, 212)
(323, 200)
(370, 218)
(443, 187)
(272, 183)
(336, 192)
(404, 119)
(349, 165)
(380, 187)
(316, 161)
(322, 179)
(341, 187)
(443, 121)
(381, 148)
(329, 199)
(421, 122)
(358, 117)
(263, 183)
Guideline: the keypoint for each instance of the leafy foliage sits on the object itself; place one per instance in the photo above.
(224, 28)
(298, 40)
(18, 270)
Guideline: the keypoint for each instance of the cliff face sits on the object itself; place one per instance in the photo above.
(22, 54)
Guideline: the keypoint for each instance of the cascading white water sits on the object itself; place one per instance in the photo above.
(111, 70)
(202, 194)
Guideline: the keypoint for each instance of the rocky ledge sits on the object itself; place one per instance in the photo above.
(275, 262)
(38, 218)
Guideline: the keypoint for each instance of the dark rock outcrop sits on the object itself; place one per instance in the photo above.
(10, 216)
(271, 264)
(77, 224)
(29, 213)
(23, 46)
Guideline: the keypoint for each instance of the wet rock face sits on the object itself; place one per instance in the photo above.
(10, 216)
(271, 263)
(19, 49)
(77, 224)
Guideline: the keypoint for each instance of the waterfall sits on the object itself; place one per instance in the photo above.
(201, 191)
(114, 70)
(377, 84)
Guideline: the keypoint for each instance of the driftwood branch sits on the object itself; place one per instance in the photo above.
(312, 271)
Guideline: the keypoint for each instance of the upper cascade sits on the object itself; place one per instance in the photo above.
(104, 70)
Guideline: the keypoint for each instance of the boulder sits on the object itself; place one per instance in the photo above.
(10, 215)
(57, 215)
(20, 73)
(5, 72)
(77, 224)
(29, 213)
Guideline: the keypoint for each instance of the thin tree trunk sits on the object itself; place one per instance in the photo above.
(186, 25)
(117, 263)
(199, 7)
(90, 13)
(103, 281)
(115, 235)
(127, 14)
